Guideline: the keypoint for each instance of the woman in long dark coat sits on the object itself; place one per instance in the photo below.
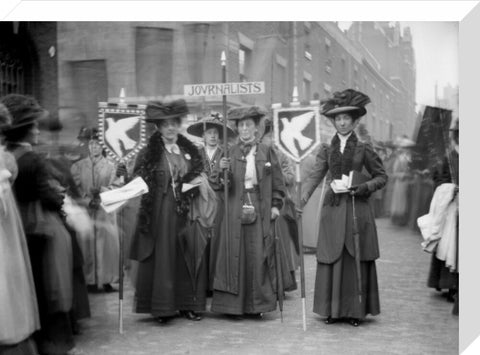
(164, 284)
(336, 285)
(245, 268)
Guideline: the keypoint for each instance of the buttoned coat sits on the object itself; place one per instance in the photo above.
(153, 167)
(336, 221)
(271, 187)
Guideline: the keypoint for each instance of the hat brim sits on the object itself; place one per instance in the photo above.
(197, 129)
(158, 119)
(360, 111)
(27, 122)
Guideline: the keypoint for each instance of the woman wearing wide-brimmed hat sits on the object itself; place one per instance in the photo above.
(210, 128)
(169, 160)
(336, 284)
(49, 243)
(245, 266)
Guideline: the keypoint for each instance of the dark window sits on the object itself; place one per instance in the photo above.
(90, 87)
(154, 61)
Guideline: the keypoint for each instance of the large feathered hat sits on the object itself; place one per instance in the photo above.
(212, 121)
(5, 117)
(24, 111)
(349, 100)
(158, 110)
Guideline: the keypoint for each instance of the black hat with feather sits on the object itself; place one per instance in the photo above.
(347, 101)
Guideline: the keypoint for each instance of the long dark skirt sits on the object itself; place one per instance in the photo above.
(164, 284)
(212, 247)
(255, 289)
(56, 333)
(336, 290)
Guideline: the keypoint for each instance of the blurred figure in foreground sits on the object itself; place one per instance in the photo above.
(444, 264)
(40, 203)
(18, 301)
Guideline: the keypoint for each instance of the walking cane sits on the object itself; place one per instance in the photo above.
(356, 243)
(300, 244)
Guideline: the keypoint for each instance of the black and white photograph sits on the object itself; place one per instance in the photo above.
(229, 187)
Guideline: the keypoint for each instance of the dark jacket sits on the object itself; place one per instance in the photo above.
(153, 168)
(212, 167)
(271, 191)
(336, 220)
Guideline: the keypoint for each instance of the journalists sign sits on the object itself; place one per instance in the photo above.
(246, 88)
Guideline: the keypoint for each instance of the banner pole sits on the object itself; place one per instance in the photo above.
(300, 244)
(225, 152)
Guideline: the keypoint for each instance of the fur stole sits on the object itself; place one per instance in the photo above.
(149, 164)
(341, 164)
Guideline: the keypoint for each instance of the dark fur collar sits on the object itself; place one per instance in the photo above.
(149, 164)
(341, 164)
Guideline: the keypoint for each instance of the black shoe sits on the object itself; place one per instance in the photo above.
(108, 288)
(256, 315)
(330, 320)
(191, 315)
(451, 295)
(163, 320)
(235, 317)
(355, 322)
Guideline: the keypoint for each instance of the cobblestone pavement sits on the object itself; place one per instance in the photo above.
(414, 319)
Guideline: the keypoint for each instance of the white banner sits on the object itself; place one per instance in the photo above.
(219, 89)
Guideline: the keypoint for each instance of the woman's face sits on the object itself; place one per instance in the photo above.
(211, 137)
(94, 148)
(344, 123)
(169, 129)
(33, 134)
(246, 129)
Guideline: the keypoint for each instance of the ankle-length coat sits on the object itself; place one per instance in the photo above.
(337, 220)
(271, 191)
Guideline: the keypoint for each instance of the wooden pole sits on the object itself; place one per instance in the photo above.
(300, 244)
(121, 231)
(225, 172)
(120, 270)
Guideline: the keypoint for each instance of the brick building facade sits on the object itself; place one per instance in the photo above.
(93, 61)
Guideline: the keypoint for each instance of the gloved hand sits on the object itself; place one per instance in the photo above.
(94, 203)
(94, 192)
(360, 190)
(224, 163)
(275, 213)
(121, 170)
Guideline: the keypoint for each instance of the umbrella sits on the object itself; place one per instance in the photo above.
(278, 268)
(356, 242)
(193, 242)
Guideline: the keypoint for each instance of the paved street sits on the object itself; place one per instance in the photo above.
(414, 319)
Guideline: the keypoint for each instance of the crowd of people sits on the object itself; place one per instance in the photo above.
(183, 246)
